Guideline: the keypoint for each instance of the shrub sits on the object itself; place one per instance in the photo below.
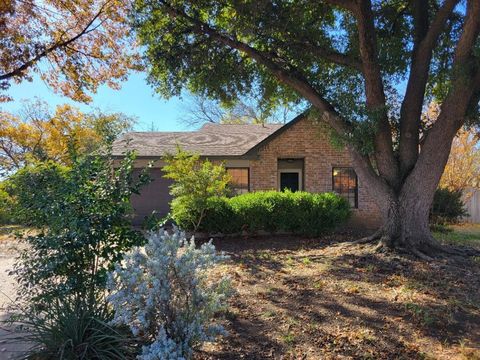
(447, 207)
(6, 206)
(164, 294)
(195, 182)
(72, 328)
(296, 212)
(36, 190)
(224, 221)
(84, 212)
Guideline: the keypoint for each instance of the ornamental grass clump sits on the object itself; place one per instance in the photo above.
(70, 328)
(164, 294)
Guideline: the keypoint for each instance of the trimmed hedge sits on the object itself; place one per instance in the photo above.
(295, 212)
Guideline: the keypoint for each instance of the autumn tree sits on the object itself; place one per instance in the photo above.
(462, 172)
(366, 67)
(36, 134)
(73, 45)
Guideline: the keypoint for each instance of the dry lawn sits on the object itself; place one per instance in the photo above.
(328, 299)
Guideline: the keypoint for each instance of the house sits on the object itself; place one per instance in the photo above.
(297, 155)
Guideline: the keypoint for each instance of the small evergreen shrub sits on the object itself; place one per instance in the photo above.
(220, 217)
(195, 182)
(37, 189)
(164, 294)
(296, 212)
(447, 207)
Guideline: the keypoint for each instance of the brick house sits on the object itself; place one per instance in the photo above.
(297, 155)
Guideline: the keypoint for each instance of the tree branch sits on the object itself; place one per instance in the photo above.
(375, 94)
(19, 70)
(464, 89)
(425, 41)
(8, 154)
(331, 55)
(289, 76)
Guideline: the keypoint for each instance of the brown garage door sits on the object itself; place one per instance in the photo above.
(153, 197)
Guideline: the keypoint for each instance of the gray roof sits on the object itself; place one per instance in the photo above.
(210, 140)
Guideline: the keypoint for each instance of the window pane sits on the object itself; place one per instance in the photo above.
(345, 184)
(239, 179)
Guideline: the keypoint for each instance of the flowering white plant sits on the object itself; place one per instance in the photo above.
(163, 293)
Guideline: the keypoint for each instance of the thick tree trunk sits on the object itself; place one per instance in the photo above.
(406, 209)
(406, 226)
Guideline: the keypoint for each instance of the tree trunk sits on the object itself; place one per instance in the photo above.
(406, 225)
(406, 210)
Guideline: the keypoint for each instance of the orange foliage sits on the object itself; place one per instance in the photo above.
(85, 43)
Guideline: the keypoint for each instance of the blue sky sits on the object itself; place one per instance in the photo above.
(136, 98)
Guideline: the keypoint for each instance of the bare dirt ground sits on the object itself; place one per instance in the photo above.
(325, 298)
(328, 299)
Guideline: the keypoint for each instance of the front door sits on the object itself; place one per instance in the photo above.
(290, 181)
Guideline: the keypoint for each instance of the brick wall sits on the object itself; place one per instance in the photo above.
(309, 141)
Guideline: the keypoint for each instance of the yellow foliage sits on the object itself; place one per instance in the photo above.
(462, 171)
(39, 136)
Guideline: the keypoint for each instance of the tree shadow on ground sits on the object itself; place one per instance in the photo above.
(441, 297)
(321, 299)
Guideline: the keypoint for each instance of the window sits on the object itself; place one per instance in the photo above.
(345, 184)
(240, 180)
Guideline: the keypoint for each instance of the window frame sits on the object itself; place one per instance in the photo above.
(356, 182)
(248, 177)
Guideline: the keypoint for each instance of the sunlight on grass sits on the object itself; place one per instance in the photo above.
(465, 234)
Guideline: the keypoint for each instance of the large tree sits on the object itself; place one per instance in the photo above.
(73, 45)
(367, 68)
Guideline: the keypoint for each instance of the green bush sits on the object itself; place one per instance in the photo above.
(447, 207)
(37, 190)
(195, 182)
(6, 206)
(220, 217)
(298, 212)
(83, 216)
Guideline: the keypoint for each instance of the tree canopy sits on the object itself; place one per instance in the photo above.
(227, 49)
(74, 46)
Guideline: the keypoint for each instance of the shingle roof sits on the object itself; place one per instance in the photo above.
(210, 140)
